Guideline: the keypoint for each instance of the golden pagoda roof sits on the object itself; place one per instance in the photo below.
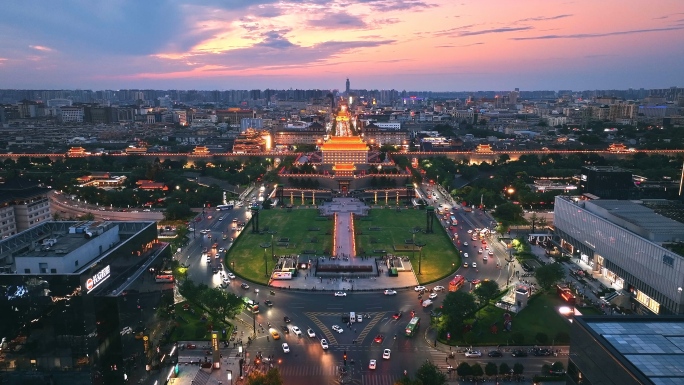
(344, 167)
(349, 143)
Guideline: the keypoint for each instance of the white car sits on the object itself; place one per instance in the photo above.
(433, 296)
(372, 365)
(419, 288)
(126, 330)
(465, 255)
(490, 252)
(480, 251)
(484, 258)
(337, 329)
(324, 344)
(230, 275)
(386, 354)
(465, 243)
(286, 347)
(473, 353)
(256, 290)
(475, 264)
(226, 280)
(390, 292)
(438, 288)
(470, 231)
(221, 250)
(340, 294)
(465, 264)
(296, 331)
(311, 333)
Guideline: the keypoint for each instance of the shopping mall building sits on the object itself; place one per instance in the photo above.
(80, 299)
(625, 242)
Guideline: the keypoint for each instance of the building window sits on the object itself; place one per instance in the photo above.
(53, 271)
(43, 267)
(76, 263)
(27, 271)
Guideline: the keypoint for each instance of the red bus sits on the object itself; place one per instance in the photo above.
(456, 283)
(163, 278)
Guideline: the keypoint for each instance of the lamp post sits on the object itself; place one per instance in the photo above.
(420, 255)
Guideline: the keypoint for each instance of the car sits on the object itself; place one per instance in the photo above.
(475, 264)
(230, 275)
(473, 353)
(126, 330)
(438, 288)
(359, 318)
(337, 329)
(475, 281)
(296, 331)
(286, 347)
(465, 243)
(397, 315)
(221, 250)
(226, 280)
(311, 333)
(480, 251)
(470, 231)
(484, 258)
(519, 353)
(390, 292)
(146, 210)
(244, 286)
(495, 353)
(372, 364)
(433, 296)
(274, 334)
(465, 255)
(542, 352)
(287, 319)
(324, 344)
(465, 264)
(386, 354)
(490, 252)
(268, 303)
(379, 338)
(427, 303)
(340, 294)
(256, 290)
(419, 288)
(191, 346)
(285, 329)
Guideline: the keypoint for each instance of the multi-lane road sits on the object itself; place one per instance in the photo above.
(307, 362)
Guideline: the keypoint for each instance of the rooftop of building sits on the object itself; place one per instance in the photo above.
(639, 215)
(653, 346)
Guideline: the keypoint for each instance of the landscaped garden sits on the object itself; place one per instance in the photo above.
(286, 232)
(391, 231)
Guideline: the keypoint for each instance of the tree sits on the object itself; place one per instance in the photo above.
(548, 275)
(504, 369)
(429, 373)
(464, 370)
(534, 219)
(518, 368)
(476, 370)
(542, 338)
(272, 377)
(558, 366)
(177, 211)
(456, 307)
(486, 291)
(490, 369)
(509, 212)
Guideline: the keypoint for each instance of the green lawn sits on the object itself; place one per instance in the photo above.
(191, 327)
(391, 227)
(247, 254)
(540, 316)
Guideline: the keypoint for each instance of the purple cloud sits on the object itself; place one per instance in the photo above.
(594, 35)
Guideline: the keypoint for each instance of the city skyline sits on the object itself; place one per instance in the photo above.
(379, 44)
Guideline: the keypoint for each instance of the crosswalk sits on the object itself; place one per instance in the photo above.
(375, 318)
(378, 379)
(308, 371)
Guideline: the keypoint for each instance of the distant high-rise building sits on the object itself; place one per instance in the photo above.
(347, 86)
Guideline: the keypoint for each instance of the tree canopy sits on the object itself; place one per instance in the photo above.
(548, 275)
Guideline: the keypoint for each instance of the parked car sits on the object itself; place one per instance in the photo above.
(495, 353)
(473, 353)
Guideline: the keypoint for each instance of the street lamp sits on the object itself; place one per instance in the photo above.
(508, 264)
(413, 244)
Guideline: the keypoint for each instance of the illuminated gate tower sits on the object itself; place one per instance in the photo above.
(344, 151)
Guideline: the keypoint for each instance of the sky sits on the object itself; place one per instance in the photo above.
(431, 45)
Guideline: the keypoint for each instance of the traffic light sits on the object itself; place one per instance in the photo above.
(345, 358)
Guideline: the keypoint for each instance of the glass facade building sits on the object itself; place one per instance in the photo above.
(652, 274)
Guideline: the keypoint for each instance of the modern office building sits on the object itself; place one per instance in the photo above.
(625, 242)
(79, 298)
(607, 182)
(621, 350)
